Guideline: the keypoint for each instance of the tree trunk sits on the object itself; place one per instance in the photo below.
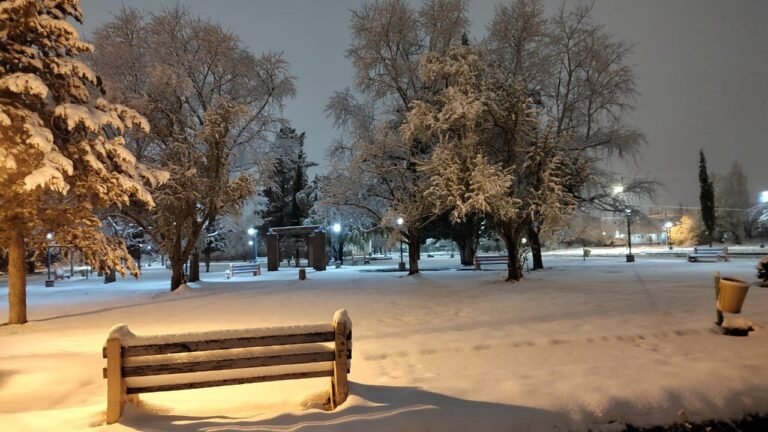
(511, 240)
(17, 280)
(468, 254)
(341, 252)
(207, 258)
(533, 238)
(414, 251)
(177, 274)
(194, 267)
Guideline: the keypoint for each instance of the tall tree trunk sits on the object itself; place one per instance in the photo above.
(461, 244)
(511, 237)
(177, 273)
(194, 267)
(17, 280)
(414, 250)
(535, 241)
(207, 258)
(468, 254)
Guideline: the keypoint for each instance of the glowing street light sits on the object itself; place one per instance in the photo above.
(763, 197)
(49, 237)
(340, 254)
(252, 232)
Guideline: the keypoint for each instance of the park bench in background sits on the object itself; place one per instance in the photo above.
(291, 352)
(489, 259)
(714, 253)
(235, 268)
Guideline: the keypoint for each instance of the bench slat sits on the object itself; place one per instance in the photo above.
(210, 345)
(212, 365)
(249, 380)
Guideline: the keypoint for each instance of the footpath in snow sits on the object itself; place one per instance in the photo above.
(582, 345)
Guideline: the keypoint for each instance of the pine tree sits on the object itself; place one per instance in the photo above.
(706, 198)
(62, 153)
(287, 198)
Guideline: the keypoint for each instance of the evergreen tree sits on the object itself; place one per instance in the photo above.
(706, 198)
(288, 199)
(62, 151)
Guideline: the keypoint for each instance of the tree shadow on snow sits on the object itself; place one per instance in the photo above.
(150, 301)
(372, 408)
(5, 375)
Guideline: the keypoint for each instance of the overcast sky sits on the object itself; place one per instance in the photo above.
(702, 68)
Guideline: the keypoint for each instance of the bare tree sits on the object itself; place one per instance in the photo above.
(581, 77)
(389, 38)
(731, 201)
(491, 158)
(212, 105)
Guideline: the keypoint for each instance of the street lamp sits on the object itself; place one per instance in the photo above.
(630, 257)
(401, 266)
(49, 237)
(252, 232)
(339, 256)
(668, 226)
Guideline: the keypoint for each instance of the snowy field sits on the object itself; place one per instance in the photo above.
(583, 345)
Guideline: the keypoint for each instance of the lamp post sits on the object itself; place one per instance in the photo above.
(339, 257)
(49, 282)
(630, 257)
(252, 232)
(401, 266)
(668, 226)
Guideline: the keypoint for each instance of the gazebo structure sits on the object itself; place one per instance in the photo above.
(313, 236)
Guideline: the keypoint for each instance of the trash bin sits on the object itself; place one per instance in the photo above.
(732, 294)
(587, 252)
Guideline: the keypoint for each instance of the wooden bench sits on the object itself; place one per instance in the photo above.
(490, 259)
(702, 252)
(226, 357)
(235, 268)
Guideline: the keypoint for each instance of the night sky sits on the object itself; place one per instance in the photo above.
(702, 68)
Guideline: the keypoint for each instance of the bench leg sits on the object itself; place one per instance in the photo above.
(116, 394)
(339, 384)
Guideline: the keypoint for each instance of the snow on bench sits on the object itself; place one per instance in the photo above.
(700, 252)
(236, 268)
(153, 363)
(490, 259)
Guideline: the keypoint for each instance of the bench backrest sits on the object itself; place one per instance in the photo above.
(483, 258)
(303, 351)
(709, 250)
(247, 266)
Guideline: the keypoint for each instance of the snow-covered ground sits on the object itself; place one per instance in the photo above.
(582, 345)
